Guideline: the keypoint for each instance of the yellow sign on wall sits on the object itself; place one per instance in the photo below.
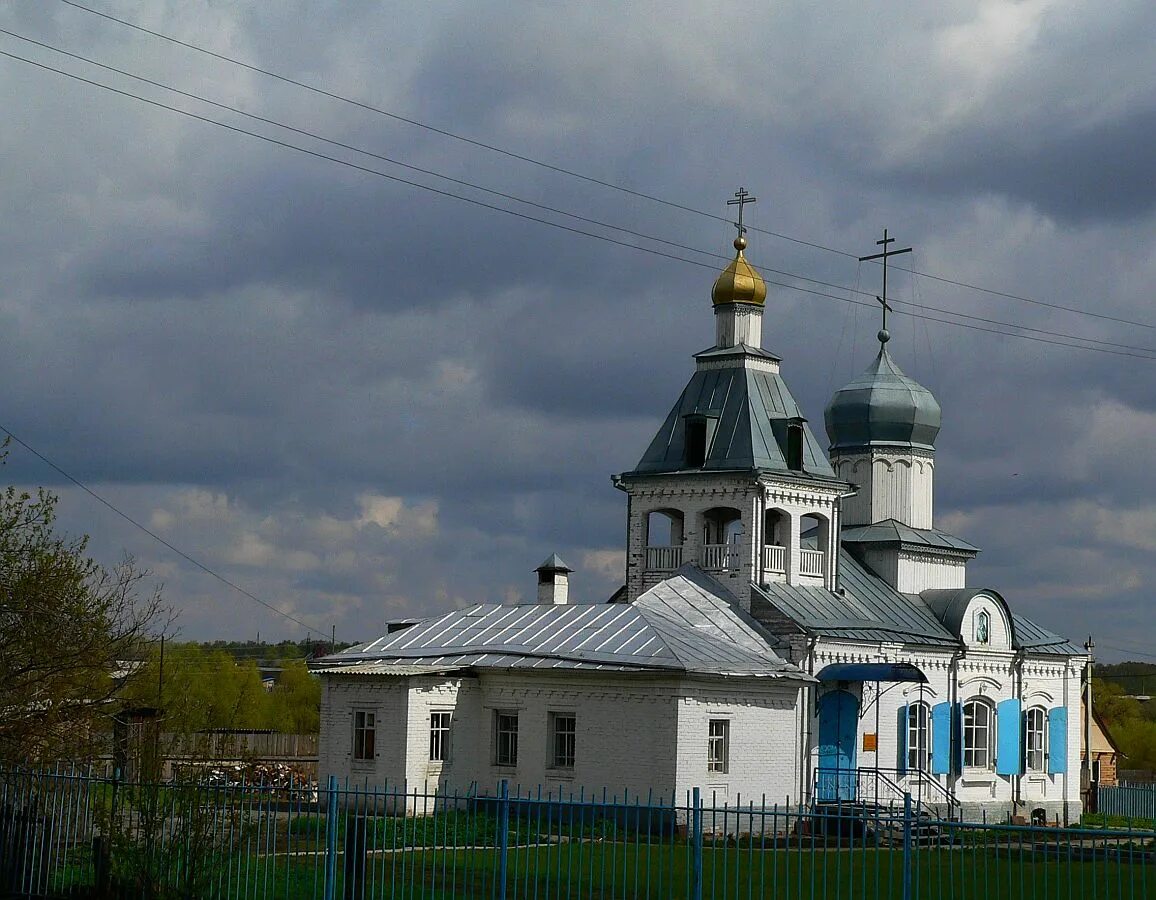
(870, 744)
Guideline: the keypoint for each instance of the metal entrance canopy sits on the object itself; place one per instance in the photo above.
(871, 672)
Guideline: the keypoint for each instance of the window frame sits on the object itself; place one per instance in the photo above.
(563, 741)
(971, 730)
(1041, 734)
(505, 738)
(918, 737)
(718, 746)
(983, 625)
(363, 748)
(440, 723)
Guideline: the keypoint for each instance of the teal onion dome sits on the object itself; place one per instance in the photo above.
(882, 408)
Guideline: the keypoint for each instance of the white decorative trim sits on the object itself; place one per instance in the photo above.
(738, 361)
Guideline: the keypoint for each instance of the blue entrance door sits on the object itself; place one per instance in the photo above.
(838, 723)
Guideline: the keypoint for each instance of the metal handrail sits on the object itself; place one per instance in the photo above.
(877, 787)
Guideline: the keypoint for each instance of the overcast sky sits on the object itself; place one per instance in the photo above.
(360, 400)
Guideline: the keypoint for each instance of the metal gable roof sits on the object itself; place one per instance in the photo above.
(751, 408)
(686, 623)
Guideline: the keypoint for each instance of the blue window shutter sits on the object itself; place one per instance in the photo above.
(1008, 731)
(901, 742)
(941, 739)
(1057, 740)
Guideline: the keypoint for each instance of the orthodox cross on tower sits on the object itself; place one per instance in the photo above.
(884, 337)
(742, 198)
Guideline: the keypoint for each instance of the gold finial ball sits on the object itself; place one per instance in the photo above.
(740, 243)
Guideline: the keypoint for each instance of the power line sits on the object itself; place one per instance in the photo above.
(1121, 349)
(156, 537)
(433, 128)
(1131, 652)
(506, 196)
(642, 195)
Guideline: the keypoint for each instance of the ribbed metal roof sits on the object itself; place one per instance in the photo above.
(868, 608)
(687, 623)
(891, 531)
(752, 407)
(1033, 636)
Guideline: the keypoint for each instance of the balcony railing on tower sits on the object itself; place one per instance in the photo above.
(663, 559)
(718, 557)
(811, 562)
(775, 559)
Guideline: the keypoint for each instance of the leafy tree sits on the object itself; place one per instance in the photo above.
(296, 700)
(69, 630)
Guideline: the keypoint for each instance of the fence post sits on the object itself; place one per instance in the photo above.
(331, 839)
(907, 846)
(503, 835)
(696, 846)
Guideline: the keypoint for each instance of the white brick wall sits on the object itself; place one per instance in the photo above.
(637, 733)
(763, 756)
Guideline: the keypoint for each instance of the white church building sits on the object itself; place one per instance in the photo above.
(793, 626)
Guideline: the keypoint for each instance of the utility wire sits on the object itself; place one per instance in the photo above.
(1112, 348)
(570, 172)
(463, 183)
(156, 537)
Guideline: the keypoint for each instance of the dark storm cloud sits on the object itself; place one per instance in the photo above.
(1102, 171)
(360, 400)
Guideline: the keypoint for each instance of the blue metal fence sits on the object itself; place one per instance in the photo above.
(69, 834)
(1133, 801)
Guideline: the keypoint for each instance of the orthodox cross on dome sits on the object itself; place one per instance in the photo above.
(884, 337)
(742, 198)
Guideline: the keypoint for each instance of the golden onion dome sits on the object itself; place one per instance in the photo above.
(739, 282)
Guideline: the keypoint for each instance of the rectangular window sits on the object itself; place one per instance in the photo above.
(505, 737)
(562, 732)
(1096, 771)
(1034, 737)
(695, 431)
(364, 734)
(439, 736)
(977, 735)
(718, 745)
(918, 745)
(795, 447)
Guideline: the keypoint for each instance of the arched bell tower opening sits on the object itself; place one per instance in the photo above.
(664, 537)
(722, 531)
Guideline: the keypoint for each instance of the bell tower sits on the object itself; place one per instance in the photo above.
(734, 482)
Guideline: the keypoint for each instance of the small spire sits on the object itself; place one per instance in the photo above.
(884, 335)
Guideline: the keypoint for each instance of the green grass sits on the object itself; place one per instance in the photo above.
(604, 871)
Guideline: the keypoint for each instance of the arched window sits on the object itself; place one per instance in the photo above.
(918, 737)
(983, 627)
(1035, 739)
(978, 734)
